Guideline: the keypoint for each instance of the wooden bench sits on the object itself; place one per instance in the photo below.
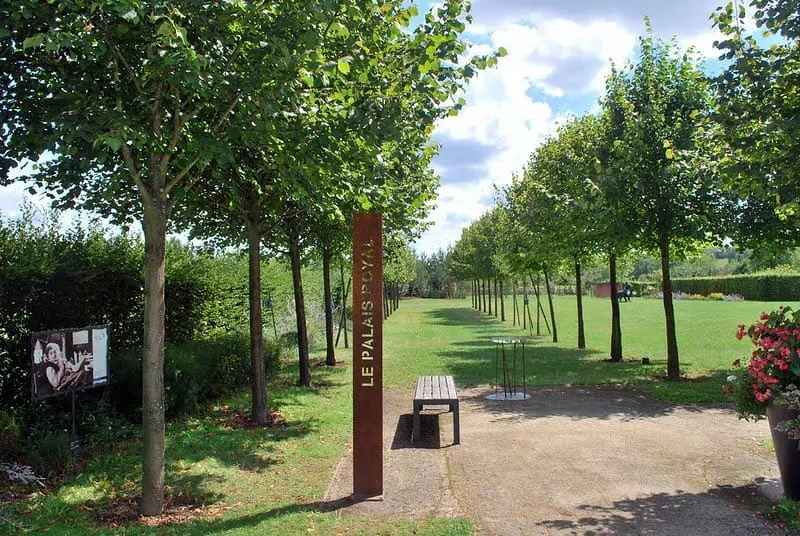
(436, 391)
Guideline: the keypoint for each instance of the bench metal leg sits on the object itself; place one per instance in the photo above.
(415, 431)
(456, 424)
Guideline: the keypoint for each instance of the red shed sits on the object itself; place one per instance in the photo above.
(603, 290)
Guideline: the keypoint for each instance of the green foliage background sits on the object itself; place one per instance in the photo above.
(64, 278)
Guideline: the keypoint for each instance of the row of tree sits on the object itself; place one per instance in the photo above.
(673, 158)
(262, 123)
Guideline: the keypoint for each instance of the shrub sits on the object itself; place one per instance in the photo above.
(697, 297)
(767, 286)
(644, 288)
(717, 296)
(194, 372)
(10, 437)
(53, 278)
(49, 454)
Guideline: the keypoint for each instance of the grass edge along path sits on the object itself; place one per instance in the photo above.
(261, 481)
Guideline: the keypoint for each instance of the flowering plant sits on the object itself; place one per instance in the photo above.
(774, 367)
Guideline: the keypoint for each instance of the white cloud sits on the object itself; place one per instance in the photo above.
(559, 52)
(703, 43)
(553, 57)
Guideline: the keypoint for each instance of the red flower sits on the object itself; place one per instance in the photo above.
(740, 333)
(762, 397)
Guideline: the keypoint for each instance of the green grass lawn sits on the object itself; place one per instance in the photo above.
(441, 336)
(271, 481)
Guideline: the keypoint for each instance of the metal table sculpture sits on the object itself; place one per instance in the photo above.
(507, 366)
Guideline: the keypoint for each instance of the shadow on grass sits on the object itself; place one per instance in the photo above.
(191, 443)
(460, 316)
(472, 363)
(723, 511)
(249, 449)
(219, 526)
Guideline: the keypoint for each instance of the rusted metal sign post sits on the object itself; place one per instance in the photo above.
(367, 354)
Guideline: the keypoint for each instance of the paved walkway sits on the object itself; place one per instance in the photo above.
(580, 461)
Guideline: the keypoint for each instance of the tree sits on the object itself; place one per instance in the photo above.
(565, 169)
(400, 267)
(756, 107)
(537, 212)
(656, 105)
(129, 102)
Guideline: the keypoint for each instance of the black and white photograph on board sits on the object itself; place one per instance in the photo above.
(68, 360)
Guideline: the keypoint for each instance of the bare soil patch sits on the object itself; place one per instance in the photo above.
(179, 508)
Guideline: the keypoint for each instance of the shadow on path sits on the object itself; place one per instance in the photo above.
(428, 428)
(678, 514)
(576, 403)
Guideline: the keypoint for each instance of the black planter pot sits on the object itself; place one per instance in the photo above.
(785, 450)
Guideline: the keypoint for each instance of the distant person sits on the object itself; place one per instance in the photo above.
(627, 292)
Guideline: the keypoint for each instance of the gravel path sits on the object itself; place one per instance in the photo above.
(583, 461)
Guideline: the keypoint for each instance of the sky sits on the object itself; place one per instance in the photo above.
(559, 53)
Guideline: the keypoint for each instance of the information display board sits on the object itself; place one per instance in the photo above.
(68, 360)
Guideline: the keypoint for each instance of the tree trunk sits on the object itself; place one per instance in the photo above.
(552, 310)
(489, 292)
(540, 314)
(474, 294)
(538, 305)
(343, 320)
(502, 303)
(396, 296)
(514, 302)
(483, 293)
(579, 300)
(258, 382)
(524, 303)
(300, 312)
(154, 223)
(673, 366)
(616, 328)
(495, 298)
(330, 355)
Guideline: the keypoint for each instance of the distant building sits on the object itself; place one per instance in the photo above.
(603, 290)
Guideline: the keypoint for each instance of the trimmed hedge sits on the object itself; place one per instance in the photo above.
(759, 287)
(54, 280)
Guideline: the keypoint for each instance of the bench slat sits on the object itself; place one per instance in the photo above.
(435, 388)
(451, 387)
(419, 394)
